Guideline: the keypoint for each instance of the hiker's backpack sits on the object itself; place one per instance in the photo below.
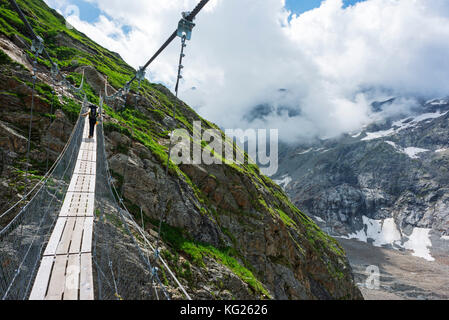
(93, 112)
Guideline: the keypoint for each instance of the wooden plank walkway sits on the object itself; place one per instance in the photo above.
(65, 272)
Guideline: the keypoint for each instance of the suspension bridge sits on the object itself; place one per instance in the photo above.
(71, 236)
(66, 267)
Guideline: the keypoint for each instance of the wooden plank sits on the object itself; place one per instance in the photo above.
(86, 128)
(70, 197)
(42, 279)
(83, 183)
(91, 184)
(66, 205)
(85, 168)
(87, 236)
(63, 247)
(67, 200)
(76, 182)
(87, 282)
(90, 204)
(75, 244)
(85, 207)
(72, 278)
(87, 155)
(55, 237)
(79, 204)
(73, 183)
(57, 281)
(89, 145)
(63, 276)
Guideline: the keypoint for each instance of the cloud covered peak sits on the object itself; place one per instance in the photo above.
(331, 62)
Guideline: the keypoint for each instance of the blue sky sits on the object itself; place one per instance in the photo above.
(90, 13)
(300, 6)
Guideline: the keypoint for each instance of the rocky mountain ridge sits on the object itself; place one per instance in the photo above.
(387, 184)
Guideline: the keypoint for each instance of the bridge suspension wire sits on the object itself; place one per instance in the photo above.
(40, 183)
(189, 17)
(29, 28)
(20, 252)
(126, 218)
(51, 122)
(107, 196)
(184, 31)
(179, 77)
(28, 194)
(38, 40)
(30, 127)
(54, 73)
(37, 48)
(107, 258)
(21, 248)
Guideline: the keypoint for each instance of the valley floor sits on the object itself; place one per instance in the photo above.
(402, 276)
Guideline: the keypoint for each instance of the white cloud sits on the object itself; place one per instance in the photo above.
(244, 51)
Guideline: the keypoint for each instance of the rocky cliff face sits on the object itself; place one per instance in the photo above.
(228, 231)
(387, 184)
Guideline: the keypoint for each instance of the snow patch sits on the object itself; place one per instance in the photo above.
(382, 232)
(284, 182)
(413, 152)
(319, 219)
(391, 143)
(441, 150)
(386, 232)
(307, 151)
(403, 124)
(445, 238)
(322, 150)
(427, 116)
(419, 242)
(379, 134)
(437, 102)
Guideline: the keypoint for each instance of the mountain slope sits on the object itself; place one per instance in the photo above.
(387, 184)
(229, 232)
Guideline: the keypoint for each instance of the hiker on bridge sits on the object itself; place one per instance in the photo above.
(93, 115)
